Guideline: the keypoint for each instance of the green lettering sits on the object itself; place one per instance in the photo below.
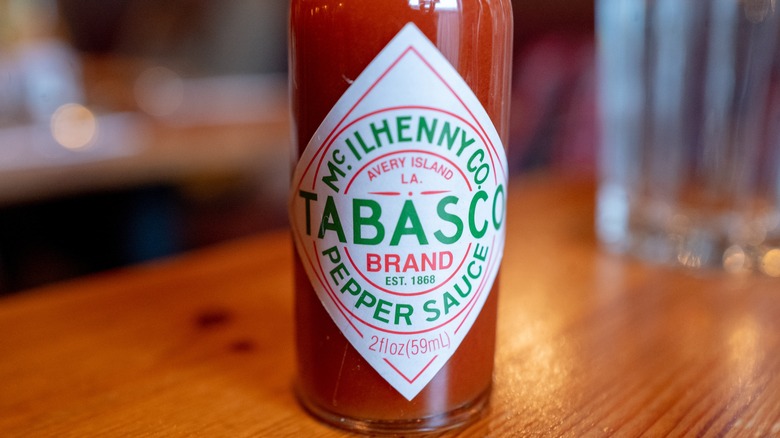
(498, 218)
(382, 308)
(333, 254)
(371, 221)
(363, 144)
(482, 171)
(332, 178)
(402, 125)
(351, 286)
(353, 149)
(480, 252)
(468, 285)
(464, 143)
(428, 130)
(408, 224)
(331, 221)
(366, 299)
(403, 311)
(472, 274)
(430, 307)
(477, 232)
(385, 129)
(441, 210)
(449, 302)
(308, 196)
(448, 135)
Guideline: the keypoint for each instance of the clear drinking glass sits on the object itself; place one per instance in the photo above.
(690, 134)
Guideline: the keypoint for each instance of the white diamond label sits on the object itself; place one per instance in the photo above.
(397, 210)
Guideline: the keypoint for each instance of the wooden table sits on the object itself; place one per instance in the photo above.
(590, 344)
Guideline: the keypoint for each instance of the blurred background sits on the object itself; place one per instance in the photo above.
(132, 130)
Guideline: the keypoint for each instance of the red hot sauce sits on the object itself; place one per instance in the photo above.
(397, 206)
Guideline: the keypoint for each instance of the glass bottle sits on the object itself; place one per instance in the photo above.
(332, 42)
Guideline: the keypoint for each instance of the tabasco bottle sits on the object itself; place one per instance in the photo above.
(397, 206)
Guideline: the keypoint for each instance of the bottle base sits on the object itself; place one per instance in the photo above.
(453, 419)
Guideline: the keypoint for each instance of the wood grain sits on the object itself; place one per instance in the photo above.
(590, 344)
